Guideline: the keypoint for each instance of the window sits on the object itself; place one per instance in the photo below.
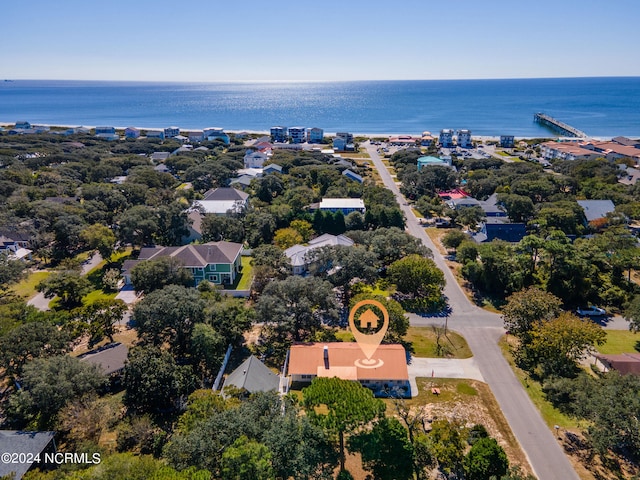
(213, 278)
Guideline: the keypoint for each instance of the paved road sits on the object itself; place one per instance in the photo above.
(482, 330)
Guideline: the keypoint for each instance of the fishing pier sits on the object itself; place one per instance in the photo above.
(558, 126)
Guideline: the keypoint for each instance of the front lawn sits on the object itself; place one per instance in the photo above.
(620, 341)
(26, 288)
(424, 343)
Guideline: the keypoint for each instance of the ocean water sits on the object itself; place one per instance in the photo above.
(603, 107)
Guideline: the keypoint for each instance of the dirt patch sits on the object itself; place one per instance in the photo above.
(468, 402)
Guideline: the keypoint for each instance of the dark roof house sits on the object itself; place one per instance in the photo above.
(596, 209)
(496, 229)
(30, 444)
(253, 376)
(111, 358)
(625, 363)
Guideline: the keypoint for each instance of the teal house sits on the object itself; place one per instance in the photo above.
(428, 161)
(215, 262)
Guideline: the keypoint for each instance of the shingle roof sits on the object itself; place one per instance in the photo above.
(595, 209)
(225, 193)
(253, 376)
(111, 358)
(625, 363)
(196, 255)
(13, 441)
(297, 253)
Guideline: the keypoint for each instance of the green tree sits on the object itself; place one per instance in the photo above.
(486, 459)
(295, 310)
(101, 238)
(386, 450)
(173, 224)
(526, 308)
(446, 445)
(287, 237)
(48, 384)
(29, 341)
(398, 319)
(202, 405)
(153, 381)
(137, 225)
(453, 238)
(70, 286)
(304, 228)
(168, 316)
(216, 228)
(420, 280)
(469, 216)
(519, 208)
(207, 350)
(100, 318)
(340, 407)
(247, 459)
(557, 345)
(10, 271)
(259, 228)
(150, 275)
(632, 314)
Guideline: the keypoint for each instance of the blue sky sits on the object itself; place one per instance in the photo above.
(329, 40)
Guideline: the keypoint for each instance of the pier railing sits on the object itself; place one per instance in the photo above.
(558, 126)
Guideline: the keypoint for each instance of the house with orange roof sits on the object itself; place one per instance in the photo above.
(389, 376)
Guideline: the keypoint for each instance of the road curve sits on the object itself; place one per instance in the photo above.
(482, 330)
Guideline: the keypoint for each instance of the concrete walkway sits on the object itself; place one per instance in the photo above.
(442, 368)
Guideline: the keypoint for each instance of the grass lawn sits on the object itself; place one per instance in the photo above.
(247, 274)
(620, 341)
(551, 415)
(423, 340)
(26, 288)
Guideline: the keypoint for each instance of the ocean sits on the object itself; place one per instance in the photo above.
(601, 107)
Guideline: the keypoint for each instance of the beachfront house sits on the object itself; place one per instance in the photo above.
(22, 125)
(215, 262)
(131, 132)
(155, 134)
(171, 132)
(464, 139)
(278, 134)
(107, 133)
(507, 141)
(427, 139)
(297, 134)
(446, 138)
(196, 136)
(343, 359)
(315, 135)
(216, 133)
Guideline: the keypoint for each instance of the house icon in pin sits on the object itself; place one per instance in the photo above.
(368, 320)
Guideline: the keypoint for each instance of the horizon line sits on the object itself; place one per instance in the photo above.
(11, 80)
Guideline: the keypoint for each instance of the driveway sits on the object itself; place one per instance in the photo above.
(482, 330)
(442, 368)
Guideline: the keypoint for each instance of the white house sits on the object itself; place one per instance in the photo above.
(298, 254)
(345, 205)
(254, 159)
(222, 200)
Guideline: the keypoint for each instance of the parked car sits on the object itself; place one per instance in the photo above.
(591, 311)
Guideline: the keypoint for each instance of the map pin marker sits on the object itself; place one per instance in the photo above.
(369, 343)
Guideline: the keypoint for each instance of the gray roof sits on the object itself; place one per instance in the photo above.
(297, 253)
(111, 358)
(253, 376)
(196, 255)
(13, 441)
(273, 166)
(225, 193)
(595, 209)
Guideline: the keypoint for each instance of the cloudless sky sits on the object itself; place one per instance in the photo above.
(322, 40)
